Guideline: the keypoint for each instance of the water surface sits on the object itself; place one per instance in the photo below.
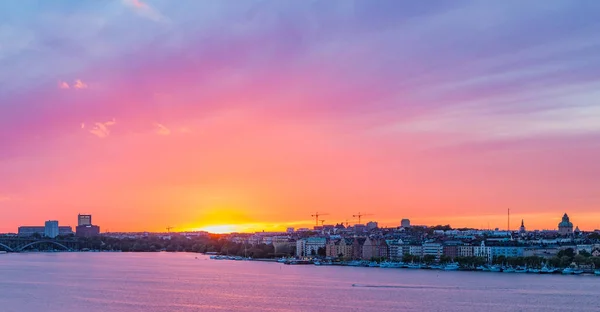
(168, 282)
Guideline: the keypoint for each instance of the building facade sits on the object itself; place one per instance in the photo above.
(341, 248)
(84, 220)
(465, 251)
(565, 227)
(433, 249)
(87, 231)
(51, 229)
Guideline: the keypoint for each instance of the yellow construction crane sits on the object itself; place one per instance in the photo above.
(360, 215)
(316, 216)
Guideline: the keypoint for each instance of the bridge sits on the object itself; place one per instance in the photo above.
(19, 244)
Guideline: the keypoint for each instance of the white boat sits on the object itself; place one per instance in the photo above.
(482, 268)
(597, 272)
(395, 265)
(282, 260)
(509, 270)
(495, 268)
(414, 266)
(386, 264)
(532, 270)
(373, 264)
(520, 270)
(568, 271)
(451, 267)
(547, 270)
(577, 271)
(354, 263)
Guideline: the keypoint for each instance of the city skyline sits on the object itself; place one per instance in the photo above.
(254, 115)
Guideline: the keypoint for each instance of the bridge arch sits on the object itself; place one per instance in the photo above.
(42, 242)
(6, 247)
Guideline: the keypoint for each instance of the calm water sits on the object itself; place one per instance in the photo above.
(153, 282)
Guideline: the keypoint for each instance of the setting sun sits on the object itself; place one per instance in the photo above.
(220, 229)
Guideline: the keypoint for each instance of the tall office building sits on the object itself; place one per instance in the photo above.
(84, 220)
(85, 228)
(51, 229)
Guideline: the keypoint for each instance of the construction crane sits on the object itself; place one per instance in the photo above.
(322, 222)
(360, 215)
(316, 216)
(169, 228)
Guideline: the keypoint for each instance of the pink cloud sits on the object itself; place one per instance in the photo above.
(101, 129)
(161, 129)
(80, 84)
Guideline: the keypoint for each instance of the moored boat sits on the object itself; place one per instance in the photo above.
(568, 271)
(296, 261)
(414, 266)
(547, 270)
(451, 267)
(495, 268)
(597, 272)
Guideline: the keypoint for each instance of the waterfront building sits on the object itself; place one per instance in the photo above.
(300, 247)
(483, 251)
(357, 247)
(405, 223)
(433, 249)
(565, 227)
(341, 248)
(310, 246)
(465, 251)
(395, 249)
(51, 229)
(290, 230)
(506, 251)
(374, 248)
(450, 248)
(415, 250)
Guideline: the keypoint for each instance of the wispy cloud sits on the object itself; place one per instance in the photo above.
(101, 129)
(4, 198)
(161, 129)
(80, 84)
(143, 9)
(77, 84)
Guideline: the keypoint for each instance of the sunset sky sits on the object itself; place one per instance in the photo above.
(245, 115)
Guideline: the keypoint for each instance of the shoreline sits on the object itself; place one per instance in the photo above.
(433, 267)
